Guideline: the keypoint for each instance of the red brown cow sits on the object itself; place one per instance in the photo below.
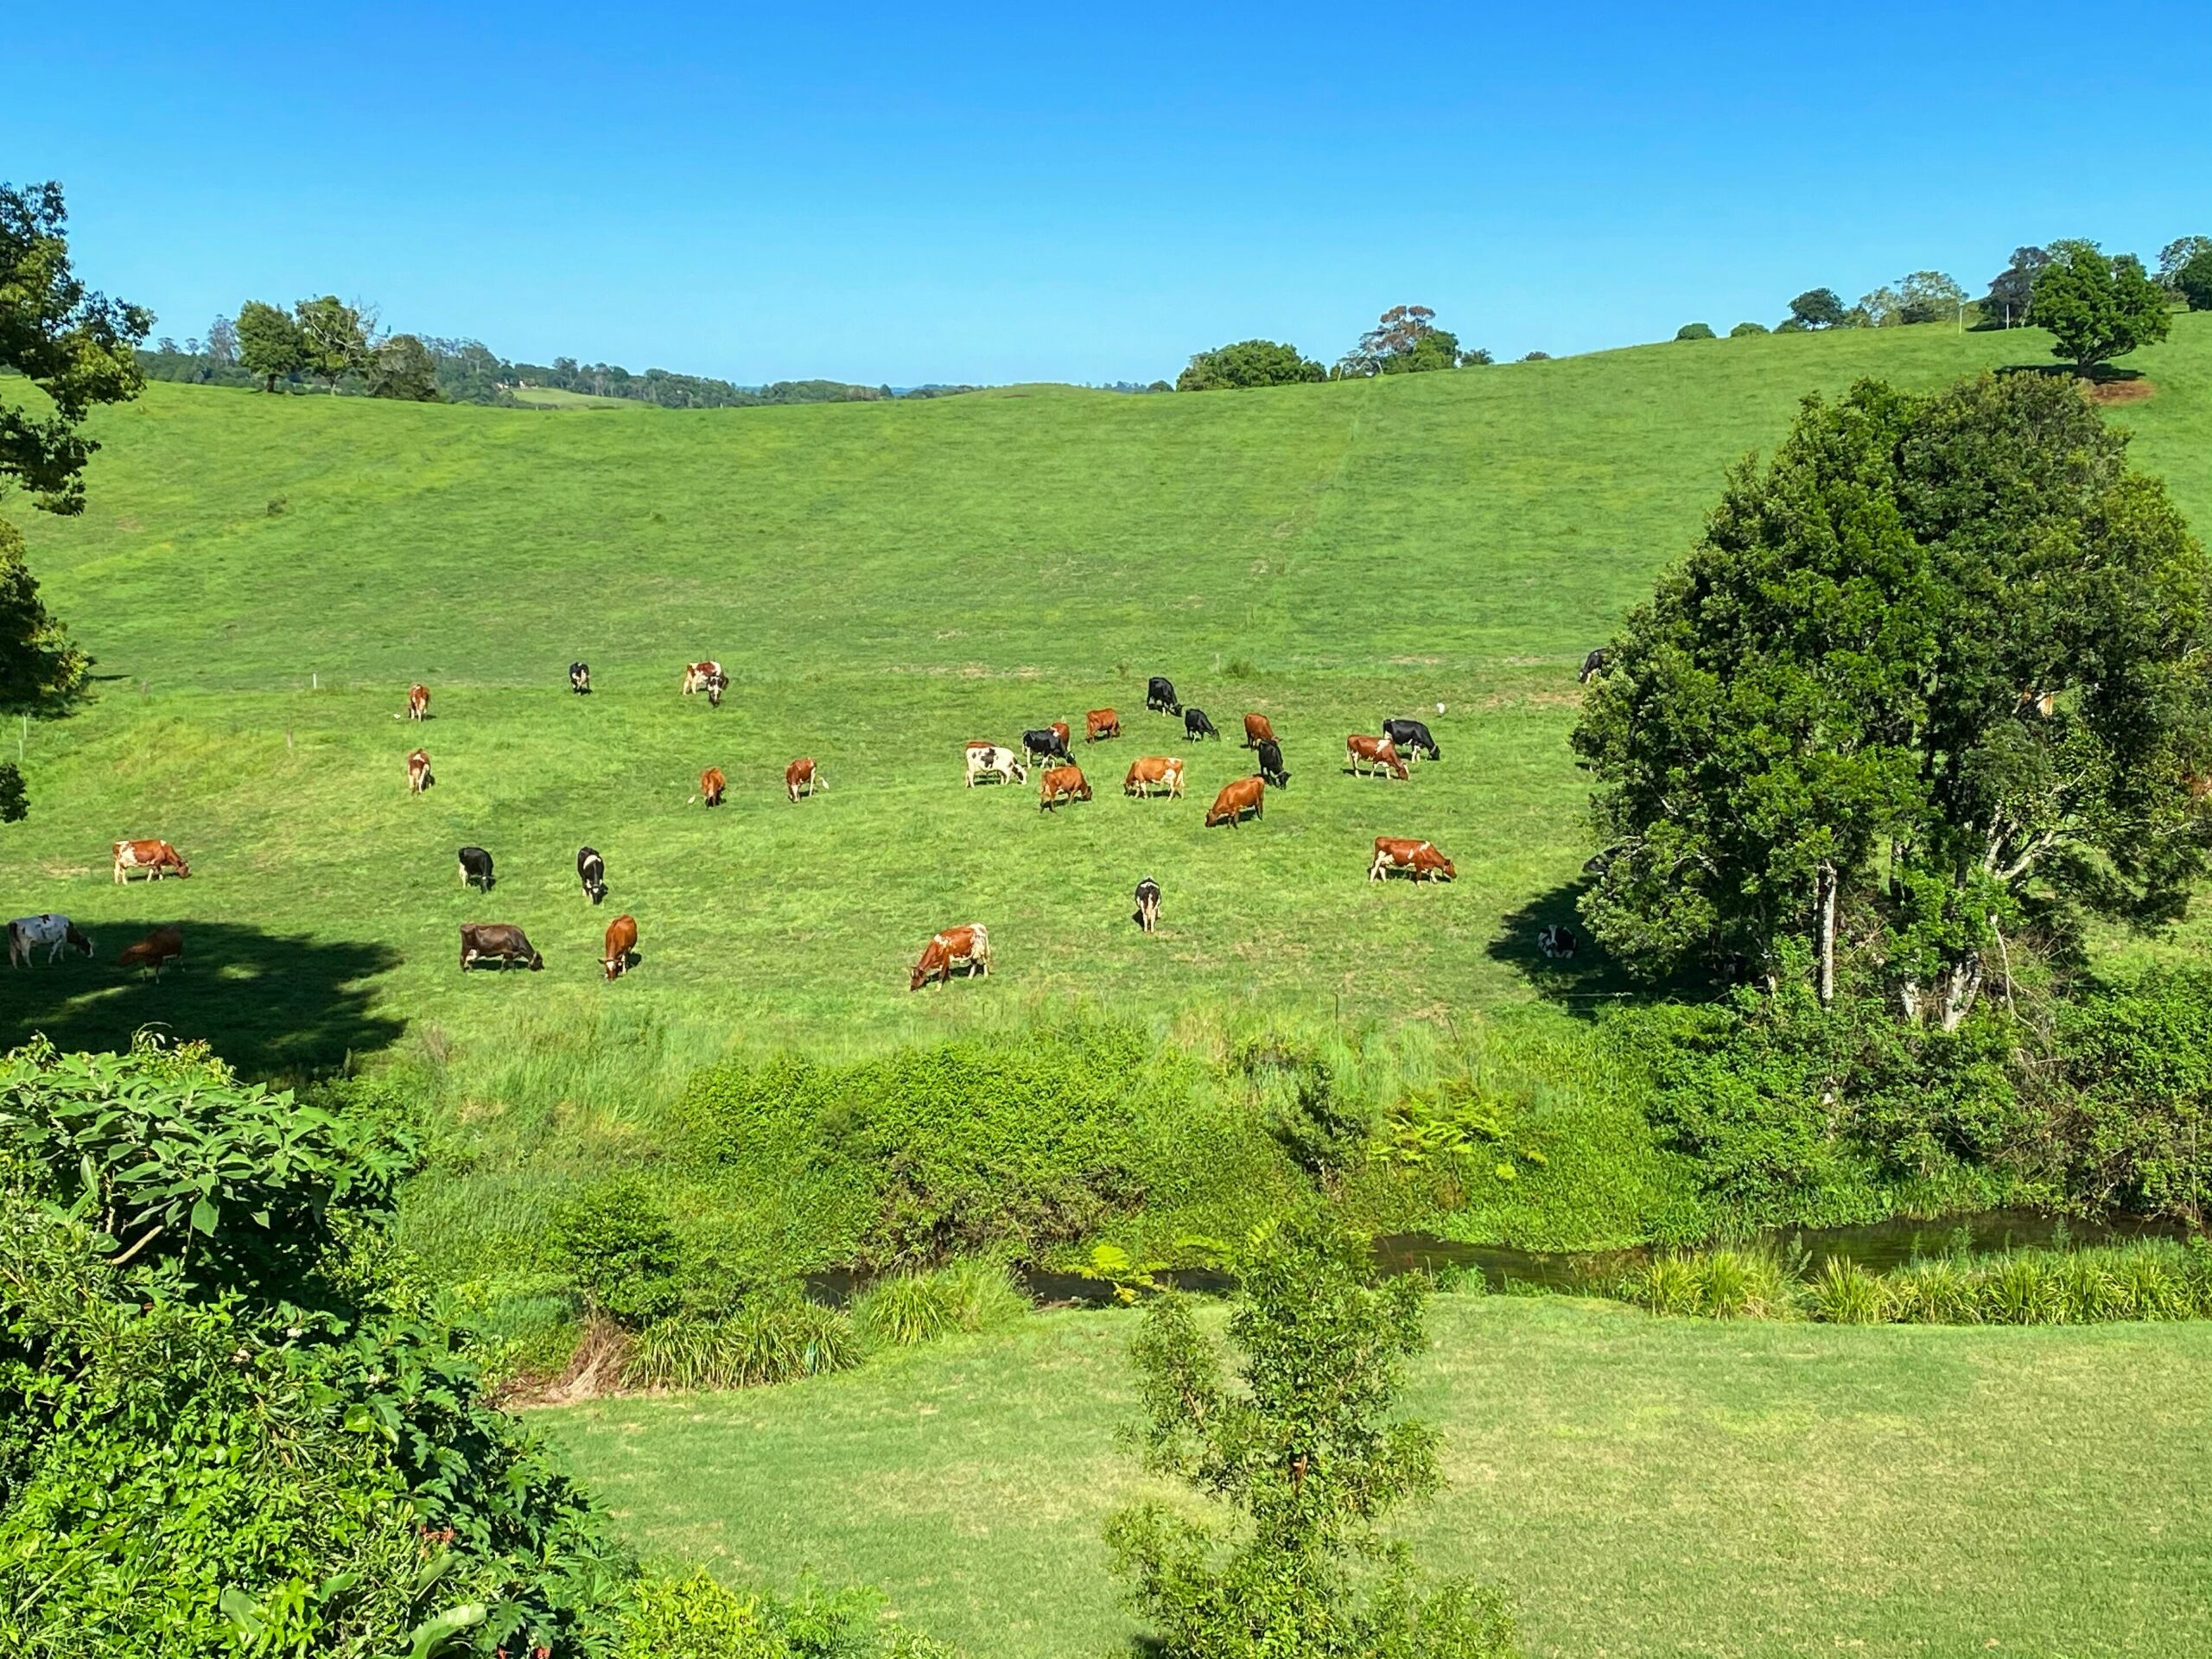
(418, 702)
(162, 945)
(1154, 770)
(1375, 755)
(621, 943)
(1257, 731)
(701, 676)
(418, 771)
(1060, 728)
(1396, 853)
(711, 784)
(966, 947)
(1101, 723)
(156, 856)
(1245, 795)
(801, 779)
(1062, 783)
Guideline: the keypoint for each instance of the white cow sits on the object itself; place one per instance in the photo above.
(984, 757)
(27, 933)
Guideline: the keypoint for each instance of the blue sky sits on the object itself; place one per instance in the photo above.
(890, 194)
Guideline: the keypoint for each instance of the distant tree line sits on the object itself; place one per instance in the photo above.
(341, 348)
(1405, 339)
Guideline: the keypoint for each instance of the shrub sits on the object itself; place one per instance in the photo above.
(907, 1308)
(1843, 1292)
(616, 1239)
(695, 1617)
(773, 1339)
(1694, 331)
(2132, 1106)
(1742, 329)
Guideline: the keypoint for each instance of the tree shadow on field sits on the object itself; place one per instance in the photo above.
(273, 1005)
(1585, 983)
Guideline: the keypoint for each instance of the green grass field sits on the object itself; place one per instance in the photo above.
(1640, 1486)
(261, 579)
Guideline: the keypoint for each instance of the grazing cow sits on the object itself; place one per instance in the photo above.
(418, 771)
(988, 760)
(1163, 770)
(1557, 941)
(1046, 743)
(418, 702)
(967, 947)
(591, 870)
(801, 779)
(1413, 738)
(1197, 726)
(55, 933)
(1592, 665)
(1245, 795)
(1271, 766)
(1257, 731)
(711, 785)
(1396, 853)
(718, 683)
(1147, 915)
(1062, 783)
(497, 941)
(162, 946)
(1101, 723)
(579, 678)
(621, 945)
(157, 857)
(475, 869)
(697, 677)
(1376, 754)
(1159, 693)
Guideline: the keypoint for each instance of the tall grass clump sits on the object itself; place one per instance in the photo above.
(1843, 1292)
(770, 1340)
(908, 1308)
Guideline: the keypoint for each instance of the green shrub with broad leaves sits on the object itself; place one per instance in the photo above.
(695, 1617)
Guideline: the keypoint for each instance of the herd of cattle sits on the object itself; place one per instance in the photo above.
(1392, 753)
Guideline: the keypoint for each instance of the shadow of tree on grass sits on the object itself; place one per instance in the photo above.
(273, 1005)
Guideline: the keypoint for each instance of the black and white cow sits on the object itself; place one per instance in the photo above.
(579, 678)
(1557, 941)
(591, 870)
(49, 932)
(1412, 739)
(1043, 743)
(476, 868)
(1195, 725)
(1271, 766)
(1147, 915)
(1592, 665)
(1159, 693)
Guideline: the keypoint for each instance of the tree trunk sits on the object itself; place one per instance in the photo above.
(1824, 893)
(1963, 982)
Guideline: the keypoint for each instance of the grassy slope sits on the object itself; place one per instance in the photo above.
(884, 581)
(1640, 1486)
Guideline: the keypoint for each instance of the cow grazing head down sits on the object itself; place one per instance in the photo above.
(591, 870)
(1271, 766)
(1245, 795)
(622, 947)
(158, 948)
(712, 784)
(1101, 723)
(1419, 857)
(157, 858)
(967, 947)
(579, 678)
(1159, 693)
(418, 771)
(800, 778)
(1557, 941)
(418, 702)
(1593, 667)
(475, 867)
(1195, 725)
(497, 941)
(1257, 731)
(1147, 915)
(1062, 783)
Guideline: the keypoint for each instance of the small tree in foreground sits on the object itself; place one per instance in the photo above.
(2097, 308)
(1310, 1458)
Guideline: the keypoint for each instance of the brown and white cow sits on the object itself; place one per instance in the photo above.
(1375, 755)
(499, 942)
(418, 702)
(967, 947)
(621, 944)
(1062, 783)
(1151, 770)
(157, 857)
(162, 945)
(418, 771)
(986, 760)
(1257, 731)
(800, 778)
(1245, 795)
(711, 785)
(1397, 853)
(1101, 723)
(700, 677)
(52, 933)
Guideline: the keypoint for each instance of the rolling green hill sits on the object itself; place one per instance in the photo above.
(261, 579)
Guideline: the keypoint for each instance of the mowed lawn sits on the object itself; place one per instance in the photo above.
(1640, 1486)
(261, 579)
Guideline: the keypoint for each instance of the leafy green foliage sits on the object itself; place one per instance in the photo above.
(1695, 331)
(40, 672)
(74, 345)
(1743, 330)
(693, 1617)
(1404, 340)
(616, 1239)
(1309, 1456)
(905, 1308)
(1929, 296)
(769, 1339)
(403, 368)
(333, 338)
(2193, 281)
(2132, 1096)
(2097, 308)
(1249, 362)
(269, 342)
(1818, 307)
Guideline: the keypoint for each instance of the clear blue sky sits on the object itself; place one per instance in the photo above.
(910, 194)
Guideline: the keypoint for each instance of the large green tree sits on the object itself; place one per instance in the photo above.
(333, 338)
(1933, 690)
(403, 368)
(2012, 291)
(1819, 308)
(2097, 308)
(1249, 362)
(2193, 282)
(268, 342)
(1406, 340)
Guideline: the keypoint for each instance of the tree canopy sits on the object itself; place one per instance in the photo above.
(1818, 307)
(1695, 331)
(1405, 340)
(1932, 690)
(74, 345)
(1249, 362)
(333, 338)
(2193, 282)
(268, 342)
(2012, 291)
(2097, 308)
